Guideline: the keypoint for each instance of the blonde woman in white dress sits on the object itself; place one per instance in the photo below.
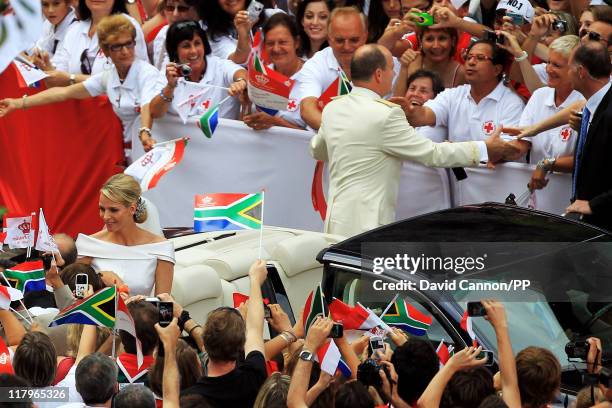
(140, 259)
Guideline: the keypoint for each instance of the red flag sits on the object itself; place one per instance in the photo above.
(443, 353)
(239, 299)
(5, 358)
(317, 194)
(466, 324)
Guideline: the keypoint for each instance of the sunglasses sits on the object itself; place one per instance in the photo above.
(86, 64)
(185, 24)
(180, 9)
(117, 47)
(593, 36)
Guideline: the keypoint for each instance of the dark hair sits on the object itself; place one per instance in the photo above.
(284, 20)
(7, 263)
(145, 316)
(353, 394)
(70, 272)
(436, 82)
(539, 375)
(35, 359)
(602, 13)
(181, 31)
(594, 57)
(96, 378)
(134, 396)
(416, 363)
(493, 401)
(224, 335)
(466, 389)
(299, 16)
(452, 32)
(366, 62)
(85, 13)
(40, 298)
(189, 368)
(377, 20)
(14, 381)
(499, 56)
(219, 22)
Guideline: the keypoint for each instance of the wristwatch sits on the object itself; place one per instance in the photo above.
(546, 164)
(72, 79)
(307, 355)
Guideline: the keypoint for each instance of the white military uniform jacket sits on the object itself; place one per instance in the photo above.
(365, 139)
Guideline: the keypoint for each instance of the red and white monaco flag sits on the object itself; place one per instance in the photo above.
(8, 295)
(19, 232)
(148, 169)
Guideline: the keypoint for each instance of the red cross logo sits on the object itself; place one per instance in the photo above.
(137, 109)
(488, 127)
(292, 105)
(565, 134)
(147, 159)
(206, 104)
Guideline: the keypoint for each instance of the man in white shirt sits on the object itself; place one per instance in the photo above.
(347, 31)
(473, 111)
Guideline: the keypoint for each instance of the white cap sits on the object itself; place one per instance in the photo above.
(458, 3)
(522, 7)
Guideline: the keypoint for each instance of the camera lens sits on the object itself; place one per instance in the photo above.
(185, 70)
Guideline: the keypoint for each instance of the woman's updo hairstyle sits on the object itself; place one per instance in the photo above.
(125, 190)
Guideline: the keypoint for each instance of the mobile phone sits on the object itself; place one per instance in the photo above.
(423, 19)
(491, 36)
(337, 331)
(164, 311)
(46, 261)
(255, 8)
(267, 311)
(376, 343)
(81, 283)
(517, 19)
(476, 309)
(488, 355)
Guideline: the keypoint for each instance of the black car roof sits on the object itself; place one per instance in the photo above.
(487, 222)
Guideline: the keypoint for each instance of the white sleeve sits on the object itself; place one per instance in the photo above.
(141, 45)
(440, 105)
(96, 84)
(228, 70)
(147, 81)
(309, 80)
(159, 45)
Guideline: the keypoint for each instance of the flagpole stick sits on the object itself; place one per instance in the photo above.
(20, 300)
(389, 305)
(115, 324)
(263, 202)
(18, 314)
(192, 97)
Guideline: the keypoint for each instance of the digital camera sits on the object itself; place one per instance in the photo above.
(368, 373)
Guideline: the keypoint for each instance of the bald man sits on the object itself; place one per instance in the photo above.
(365, 138)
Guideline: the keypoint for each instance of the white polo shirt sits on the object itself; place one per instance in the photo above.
(320, 71)
(159, 48)
(456, 109)
(220, 73)
(53, 36)
(67, 58)
(137, 90)
(556, 142)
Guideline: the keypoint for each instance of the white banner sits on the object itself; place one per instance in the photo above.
(239, 159)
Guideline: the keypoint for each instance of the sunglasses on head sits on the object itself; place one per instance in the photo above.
(185, 24)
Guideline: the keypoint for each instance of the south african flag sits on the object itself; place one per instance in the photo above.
(97, 309)
(407, 317)
(227, 211)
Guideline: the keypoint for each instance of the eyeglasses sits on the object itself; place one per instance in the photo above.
(593, 36)
(117, 47)
(85, 63)
(478, 57)
(179, 8)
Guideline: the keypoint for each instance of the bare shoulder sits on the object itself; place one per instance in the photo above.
(147, 237)
(101, 235)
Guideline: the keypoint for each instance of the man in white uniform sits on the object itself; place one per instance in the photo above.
(365, 138)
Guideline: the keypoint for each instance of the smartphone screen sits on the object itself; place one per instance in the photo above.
(80, 285)
(165, 313)
(337, 331)
(488, 355)
(476, 309)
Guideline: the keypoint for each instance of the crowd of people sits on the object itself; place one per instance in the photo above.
(431, 71)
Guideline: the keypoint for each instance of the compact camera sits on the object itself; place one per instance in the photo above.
(185, 70)
(577, 349)
(559, 25)
(368, 373)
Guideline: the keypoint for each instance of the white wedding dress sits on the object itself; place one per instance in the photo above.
(135, 265)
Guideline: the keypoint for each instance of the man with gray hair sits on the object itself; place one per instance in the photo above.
(365, 138)
(96, 380)
(135, 396)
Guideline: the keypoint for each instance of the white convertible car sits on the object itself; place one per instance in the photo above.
(210, 267)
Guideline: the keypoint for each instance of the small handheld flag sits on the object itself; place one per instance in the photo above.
(314, 307)
(44, 241)
(407, 317)
(27, 276)
(227, 211)
(151, 167)
(340, 86)
(208, 121)
(19, 232)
